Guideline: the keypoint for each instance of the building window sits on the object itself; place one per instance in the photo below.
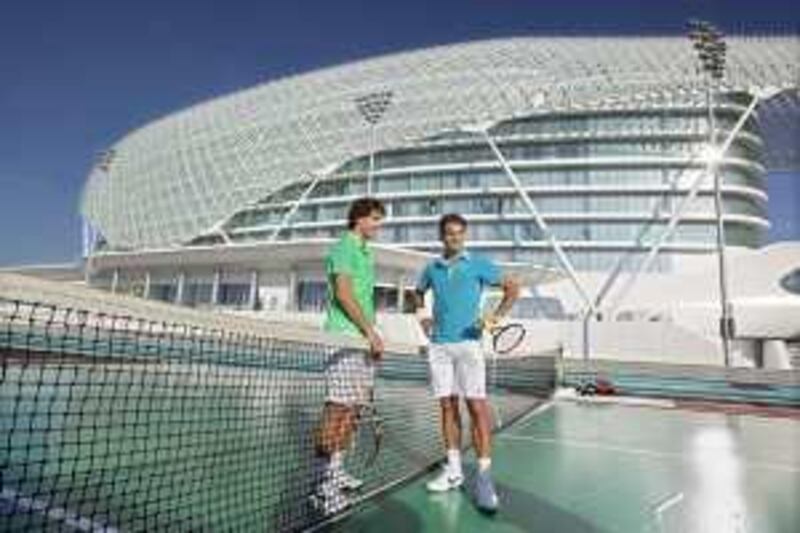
(489, 205)
(386, 299)
(234, 294)
(197, 293)
(312, 296)
(400, 234)
(164, 292)
(432, 206)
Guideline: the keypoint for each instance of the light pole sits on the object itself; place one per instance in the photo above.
(372, 108)
(711, 48)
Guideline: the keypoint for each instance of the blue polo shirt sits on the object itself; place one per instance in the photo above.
(457, 285)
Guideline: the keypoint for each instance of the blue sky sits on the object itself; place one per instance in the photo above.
(76, 76)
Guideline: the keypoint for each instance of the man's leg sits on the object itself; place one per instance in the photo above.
(481, 430)
(442, 376)
(332, 438)
(471, 372)
(451, 433)
(336, 429)
(351, 379)
(335, 433)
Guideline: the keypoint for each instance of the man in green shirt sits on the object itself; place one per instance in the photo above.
(350, 375)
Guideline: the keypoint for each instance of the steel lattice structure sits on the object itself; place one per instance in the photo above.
(183, 175)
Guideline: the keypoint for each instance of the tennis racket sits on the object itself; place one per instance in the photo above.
(506, 338)
(368, 432)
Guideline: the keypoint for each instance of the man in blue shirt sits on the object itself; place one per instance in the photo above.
(457, 363)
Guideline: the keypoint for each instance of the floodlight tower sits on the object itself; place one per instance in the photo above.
(372, 107)
(711, 48)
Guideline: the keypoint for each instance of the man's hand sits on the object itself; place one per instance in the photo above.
(426, 323)
(488, 322)
(375, 344)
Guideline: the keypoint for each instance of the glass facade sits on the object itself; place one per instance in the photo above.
(234, 294)
(197, 293)
(312, 296)
(600, 179)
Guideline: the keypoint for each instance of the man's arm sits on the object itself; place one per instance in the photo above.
(423, 284)
(343, 291)
(511, 290)
(425, 321)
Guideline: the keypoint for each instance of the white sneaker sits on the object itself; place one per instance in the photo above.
(445, 481)
(345, 481)
(328, 498)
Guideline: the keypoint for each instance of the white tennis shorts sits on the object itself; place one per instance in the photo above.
(350, 377)
(458, 369)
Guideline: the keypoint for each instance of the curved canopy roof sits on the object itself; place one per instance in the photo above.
(180, 176)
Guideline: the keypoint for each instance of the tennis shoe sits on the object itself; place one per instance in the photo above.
(328, 499)
(446, 480)
(485, 493)
(345, 481)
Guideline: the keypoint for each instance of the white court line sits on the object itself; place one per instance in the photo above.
(539, 410)
(766, 465)
(55, 513)
(669, 502)
(664, 506)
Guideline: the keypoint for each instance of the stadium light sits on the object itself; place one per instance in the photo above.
(372, 107)
(711, 50)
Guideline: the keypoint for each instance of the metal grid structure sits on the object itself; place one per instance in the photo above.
(184, 175)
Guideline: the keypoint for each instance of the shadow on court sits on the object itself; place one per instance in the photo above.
(456, 512)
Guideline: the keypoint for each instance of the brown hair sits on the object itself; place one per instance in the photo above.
(363, 207)
(451, 218)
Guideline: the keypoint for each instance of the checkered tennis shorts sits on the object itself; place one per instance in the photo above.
(350, 377)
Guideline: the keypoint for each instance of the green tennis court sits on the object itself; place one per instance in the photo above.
(128, 425)
(588, 467)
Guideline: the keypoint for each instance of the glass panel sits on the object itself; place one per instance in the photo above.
(197, 293)
(386, 299)
(234, 294)
(165, 292)
(328, 213)
(312, 296)
(392, 184)
(423, 233)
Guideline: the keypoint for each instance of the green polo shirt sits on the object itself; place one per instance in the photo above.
(350, 256)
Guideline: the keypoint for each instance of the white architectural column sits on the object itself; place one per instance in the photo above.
(146, 291)
(115, 281)
(180, 289)
(215, 287)
(87, 271)
(401, 293)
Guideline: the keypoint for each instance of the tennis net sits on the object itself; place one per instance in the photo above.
(119, 423)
